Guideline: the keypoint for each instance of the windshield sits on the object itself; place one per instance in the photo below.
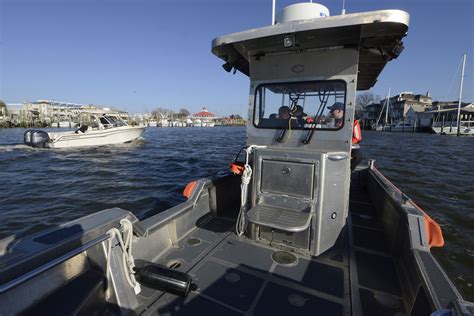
(301, 105)
(111, 121)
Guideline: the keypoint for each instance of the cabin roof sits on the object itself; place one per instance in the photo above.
(377, 33)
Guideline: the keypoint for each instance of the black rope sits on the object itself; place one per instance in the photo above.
(323, 99)
(294, 102)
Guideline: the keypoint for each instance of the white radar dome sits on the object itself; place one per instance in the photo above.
(302, 11)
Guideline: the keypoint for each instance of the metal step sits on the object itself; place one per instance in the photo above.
(279, 218)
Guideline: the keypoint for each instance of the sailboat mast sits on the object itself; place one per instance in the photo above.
(388, 105)
(460, 95)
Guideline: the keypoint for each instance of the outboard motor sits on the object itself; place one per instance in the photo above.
(36, 138)
(27, 137)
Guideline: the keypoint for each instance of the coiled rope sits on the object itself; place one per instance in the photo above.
(246, 177)
(126, 246)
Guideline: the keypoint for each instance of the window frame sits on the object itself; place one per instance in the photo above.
(295, 82)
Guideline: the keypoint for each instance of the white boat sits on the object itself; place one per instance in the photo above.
(385, 126)
(402, 127)
(293, 232)
(152, 123)
(208, 124)
(63, 124)
(467, 128)
(381, 128)
(164, 123)
(107, 129)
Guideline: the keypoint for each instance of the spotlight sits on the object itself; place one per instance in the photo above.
(227, 67)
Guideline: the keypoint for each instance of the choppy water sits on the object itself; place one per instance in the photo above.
(40, 188)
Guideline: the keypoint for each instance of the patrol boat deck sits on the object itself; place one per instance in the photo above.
(237, 276)
(361, 275)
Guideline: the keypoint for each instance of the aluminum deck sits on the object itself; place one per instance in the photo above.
(236, 276)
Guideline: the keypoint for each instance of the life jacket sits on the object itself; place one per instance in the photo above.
(356, 133)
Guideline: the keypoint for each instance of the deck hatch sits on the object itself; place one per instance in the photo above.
(288, 178)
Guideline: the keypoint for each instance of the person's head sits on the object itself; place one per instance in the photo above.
(337, 110)
(283, 112)
(299, 111)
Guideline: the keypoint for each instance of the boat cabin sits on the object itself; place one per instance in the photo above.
(304, 74)
(106, 121)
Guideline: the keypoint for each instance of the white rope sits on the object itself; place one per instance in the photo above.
(127, 259)
(246, 177)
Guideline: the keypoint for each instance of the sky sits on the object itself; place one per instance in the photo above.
(138, 55)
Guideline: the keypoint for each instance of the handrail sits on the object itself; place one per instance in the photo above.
(31, 274)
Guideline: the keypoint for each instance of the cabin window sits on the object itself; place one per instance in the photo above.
(300, 105)
(104, 122)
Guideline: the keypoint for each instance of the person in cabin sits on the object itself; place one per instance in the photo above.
(337, 113)
(284, 112)
(299, 113)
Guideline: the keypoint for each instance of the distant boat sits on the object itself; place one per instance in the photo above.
(164, 123)
(109, 129)
(63, 124)
(402, 127)
(383, 127)
(466, 128)
(152, 123)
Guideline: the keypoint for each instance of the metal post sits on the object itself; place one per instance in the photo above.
(273, 12)
(460, 96)
(442, 124)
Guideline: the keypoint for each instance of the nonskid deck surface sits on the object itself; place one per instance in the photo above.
(236, 276)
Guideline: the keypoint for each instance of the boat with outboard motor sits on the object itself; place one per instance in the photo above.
(106, 129)
(294, 232)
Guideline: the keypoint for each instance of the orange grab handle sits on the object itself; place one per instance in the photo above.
(433, 232)
(237, 168)
(189, 189)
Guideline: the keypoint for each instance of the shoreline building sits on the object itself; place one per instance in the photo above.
(403, 107)
(444, 114)
(204, 118)
(44, 113)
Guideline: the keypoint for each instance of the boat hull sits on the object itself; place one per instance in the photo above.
(453, 130)
(95, 138)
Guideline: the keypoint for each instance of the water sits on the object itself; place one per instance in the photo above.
(40, 188)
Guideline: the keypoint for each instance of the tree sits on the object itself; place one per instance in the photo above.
(160, 112)
(183, 113)
(363, 100)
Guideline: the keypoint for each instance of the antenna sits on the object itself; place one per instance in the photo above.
(273, 12)
(343, 7)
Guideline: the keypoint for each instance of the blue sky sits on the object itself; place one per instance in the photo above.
(138, 55)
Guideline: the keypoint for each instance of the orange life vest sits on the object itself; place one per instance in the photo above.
(356, 133)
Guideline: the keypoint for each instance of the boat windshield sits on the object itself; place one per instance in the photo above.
(109, 121)
(300, 105)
